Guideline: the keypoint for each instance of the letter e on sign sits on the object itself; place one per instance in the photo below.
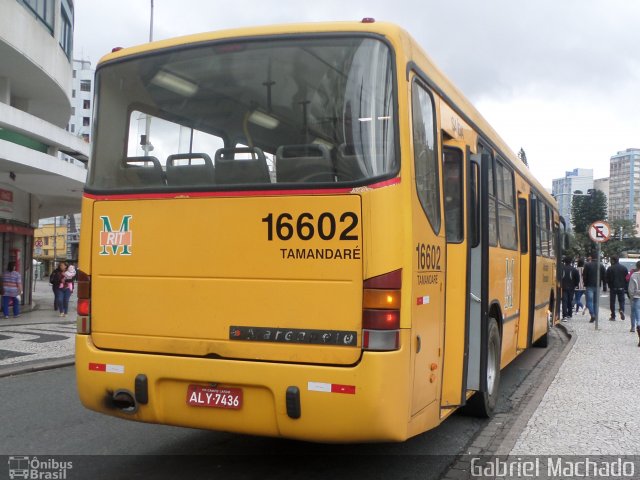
(599, 231)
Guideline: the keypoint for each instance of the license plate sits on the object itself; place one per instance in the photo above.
(202, 396)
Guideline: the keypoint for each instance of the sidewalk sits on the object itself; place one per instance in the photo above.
(38, 339)
(591, 407)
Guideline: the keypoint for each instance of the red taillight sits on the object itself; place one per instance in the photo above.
(381, 319)
(381, 312)
(83, 289)
(84, 307)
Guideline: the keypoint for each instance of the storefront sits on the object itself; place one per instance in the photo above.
(16, 236)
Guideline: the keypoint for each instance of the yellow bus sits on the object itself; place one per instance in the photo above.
(303, 231)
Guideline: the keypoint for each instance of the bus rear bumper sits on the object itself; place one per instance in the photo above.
(365, 402)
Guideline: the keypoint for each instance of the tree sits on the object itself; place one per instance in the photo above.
(588, 209)
(584, 211)
(523, 156)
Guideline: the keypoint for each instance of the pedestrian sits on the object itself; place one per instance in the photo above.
(580, 289)
(11, 289)
(570, 280)
(589, 275)
(617, 281)
(54, 279)
(65, 288)
(634, 295)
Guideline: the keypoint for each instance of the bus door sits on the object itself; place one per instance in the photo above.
(458, 271)
(526, 320)
(533, 269)
(478, 274)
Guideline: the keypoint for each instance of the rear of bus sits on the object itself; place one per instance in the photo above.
(240, 260)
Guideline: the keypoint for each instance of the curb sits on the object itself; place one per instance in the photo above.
(500, 435)
(37, 366)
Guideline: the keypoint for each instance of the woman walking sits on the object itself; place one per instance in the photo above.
(65, 288)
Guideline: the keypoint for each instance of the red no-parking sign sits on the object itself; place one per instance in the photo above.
(599, 231)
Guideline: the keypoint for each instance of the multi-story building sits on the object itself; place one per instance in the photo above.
(35, 105)
(624, 185)
(82, 100)
(578, 180)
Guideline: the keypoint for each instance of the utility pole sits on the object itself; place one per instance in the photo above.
(147, 126)
(151, 24)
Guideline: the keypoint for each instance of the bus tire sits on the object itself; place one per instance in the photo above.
(483, 404)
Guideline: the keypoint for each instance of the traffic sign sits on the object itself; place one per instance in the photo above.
(38, 243)
(599, 231)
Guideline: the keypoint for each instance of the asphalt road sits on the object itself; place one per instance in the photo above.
(41, 415)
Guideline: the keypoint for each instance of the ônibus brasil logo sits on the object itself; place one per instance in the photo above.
(116, 242)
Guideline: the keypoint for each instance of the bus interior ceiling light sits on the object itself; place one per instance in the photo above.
(263, 120)
(174, 83)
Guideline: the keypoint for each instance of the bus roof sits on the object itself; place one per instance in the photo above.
(413, 53)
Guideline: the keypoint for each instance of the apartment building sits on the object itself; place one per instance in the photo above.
(36, 73)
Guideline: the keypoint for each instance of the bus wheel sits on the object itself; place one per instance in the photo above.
(482, 404)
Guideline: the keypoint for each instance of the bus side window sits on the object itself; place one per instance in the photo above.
(493, 211)
(424, 152)
(506, 207)
(474, 206)
(453, 197)
(524, 225)
(538, 228)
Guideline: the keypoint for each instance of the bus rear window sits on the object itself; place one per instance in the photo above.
(299, 111)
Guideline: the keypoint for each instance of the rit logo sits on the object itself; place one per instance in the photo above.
(116, 242)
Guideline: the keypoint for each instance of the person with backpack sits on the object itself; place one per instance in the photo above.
(634, 295)
(55, 279)
(570, 280)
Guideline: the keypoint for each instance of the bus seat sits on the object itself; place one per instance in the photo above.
(201, 173)
(304, 163)
(231, 170)
(348, 167)
(142, 171)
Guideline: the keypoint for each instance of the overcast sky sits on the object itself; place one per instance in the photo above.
(559, 78)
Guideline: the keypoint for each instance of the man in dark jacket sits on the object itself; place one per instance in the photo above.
(570, 280)
(589, 275)
(617, 281)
